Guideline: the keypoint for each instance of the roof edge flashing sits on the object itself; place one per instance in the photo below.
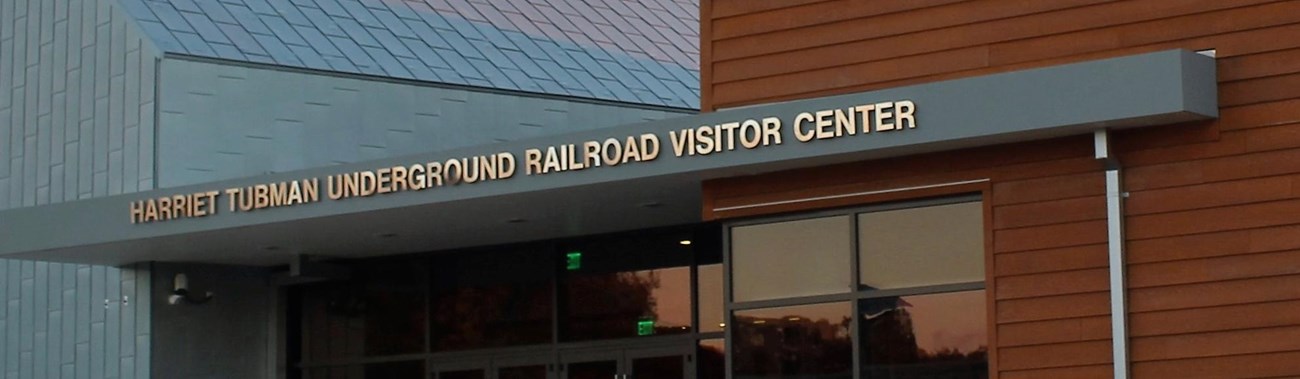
(422, 83)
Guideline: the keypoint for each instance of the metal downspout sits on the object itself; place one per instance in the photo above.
(1115, 235)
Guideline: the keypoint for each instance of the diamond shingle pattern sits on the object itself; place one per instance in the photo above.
(638, 51)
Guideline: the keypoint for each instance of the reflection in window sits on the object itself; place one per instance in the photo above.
(380, 311)
(922, 246)
(925, 336)
(791, 259)
(629, 304)
(480, 303)
(712, 316)
(713, 359)
(625, 287)
(806, 341)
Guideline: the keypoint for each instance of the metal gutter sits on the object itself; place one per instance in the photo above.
(1115, 235)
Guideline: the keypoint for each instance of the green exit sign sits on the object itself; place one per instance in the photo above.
(645, 327)
(573, 260)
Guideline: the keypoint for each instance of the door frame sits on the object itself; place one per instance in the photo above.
(624, 353)
(544, 359)
(436, 366)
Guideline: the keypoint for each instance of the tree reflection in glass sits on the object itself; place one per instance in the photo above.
(480, 303)
(379, 311)
(925, 336)
(713, 359)
(805, 341)
(629, 304)
(626, 286)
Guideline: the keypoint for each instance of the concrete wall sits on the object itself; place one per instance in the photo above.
(76, 121)
(229, 336)
(224, 121)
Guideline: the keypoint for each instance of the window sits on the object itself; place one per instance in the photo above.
(461, 314)
(626, 287)
(792, 258)
(921, 246)
(379, 311)
(478, 302)
(918, 310)
(803, 341)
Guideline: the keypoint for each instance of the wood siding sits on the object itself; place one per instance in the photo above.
(1213, 217)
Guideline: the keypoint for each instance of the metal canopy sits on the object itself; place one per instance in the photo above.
(1149, 89)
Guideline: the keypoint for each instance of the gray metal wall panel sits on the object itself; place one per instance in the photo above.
(40, 286)
(316, 120)
(143, 324)
(61, 61)
(113, 324)
(98, 282)
(13, 318)
(81, 359)
(57, 58)
(241, 302)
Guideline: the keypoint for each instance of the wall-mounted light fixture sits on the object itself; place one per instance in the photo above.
(181, 292)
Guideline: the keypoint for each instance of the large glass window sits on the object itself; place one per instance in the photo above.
(480, 302)
(464, 311)
(627, 287)
(804, 341)
(921, 246)
(712, 355)
(791, 259)
(712, 316)
(924, 336)
(379, 311)
(919, 310)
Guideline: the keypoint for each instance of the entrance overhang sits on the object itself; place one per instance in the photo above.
(1133, 91)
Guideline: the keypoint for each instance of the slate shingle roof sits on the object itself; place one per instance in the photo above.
(639, 51)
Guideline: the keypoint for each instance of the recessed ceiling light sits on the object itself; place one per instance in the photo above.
(685, 242)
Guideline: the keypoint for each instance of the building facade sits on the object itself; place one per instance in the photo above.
(523, 189)
(1208, 235)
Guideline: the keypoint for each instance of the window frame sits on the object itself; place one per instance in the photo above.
(855, 294)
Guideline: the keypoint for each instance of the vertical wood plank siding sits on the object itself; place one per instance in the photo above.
(1213, 217)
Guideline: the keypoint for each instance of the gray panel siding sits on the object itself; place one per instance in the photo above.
(212, 127)
(73, 112)
(55, 322)
(226, 337)
(73, 119)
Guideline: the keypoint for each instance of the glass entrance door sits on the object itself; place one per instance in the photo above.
(629, 363)
(660, 363)
(460, 369)
(522, 367)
